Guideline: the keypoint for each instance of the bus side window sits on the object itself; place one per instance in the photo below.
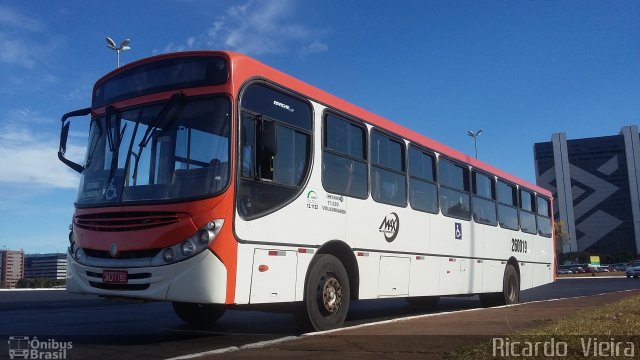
(544, 216)
(484, 206)
(527, 215)
(344, 158)
(423, 191)
(275, 149)
(454, 189)
(507, 205)
(388, 173)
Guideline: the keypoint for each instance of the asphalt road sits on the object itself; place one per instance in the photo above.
(102, 328)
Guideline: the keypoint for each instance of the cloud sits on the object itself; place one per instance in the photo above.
(315, 47)
(22, 40)
(258, 27)
(11, 19)
(29, 156)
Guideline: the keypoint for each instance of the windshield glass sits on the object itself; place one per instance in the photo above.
(173, 150)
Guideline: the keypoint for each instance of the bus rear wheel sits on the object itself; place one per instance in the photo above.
(198, 314)
(511, 286)
(327, 295)
(510, 290)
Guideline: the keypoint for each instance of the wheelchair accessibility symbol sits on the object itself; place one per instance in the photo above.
(458, 231)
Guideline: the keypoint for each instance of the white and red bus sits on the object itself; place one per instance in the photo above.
(212, 180)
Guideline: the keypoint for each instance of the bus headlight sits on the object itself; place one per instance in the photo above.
(77, 253)
(191, 246)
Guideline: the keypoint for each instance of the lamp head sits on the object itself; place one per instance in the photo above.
(110, 43)
(125, 45)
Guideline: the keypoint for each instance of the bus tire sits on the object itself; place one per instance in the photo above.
(426, 301)
(510, 286)
(510, 290)
(199, 314)
(326, 295)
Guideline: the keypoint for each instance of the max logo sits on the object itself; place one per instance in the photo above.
(390, 227)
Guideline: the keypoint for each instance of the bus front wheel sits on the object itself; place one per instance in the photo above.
(327, 295)
(198, 314)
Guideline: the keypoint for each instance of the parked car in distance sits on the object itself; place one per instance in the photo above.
(577, 270)
(620, 267)
(564, 271)
(601, 269)
(633, 270)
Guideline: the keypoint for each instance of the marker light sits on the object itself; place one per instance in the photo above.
(187, 248)
(205, 236)
(195, 244)
(167, 254)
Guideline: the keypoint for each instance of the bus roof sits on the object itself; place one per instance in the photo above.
(245, 68)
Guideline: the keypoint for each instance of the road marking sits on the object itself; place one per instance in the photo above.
(262, 344)
(218, 332)
(256, 345)
(32, 289)
(592, 277)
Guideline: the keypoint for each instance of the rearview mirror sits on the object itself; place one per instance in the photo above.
(64, 135)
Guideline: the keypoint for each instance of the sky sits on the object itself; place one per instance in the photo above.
(519, 70)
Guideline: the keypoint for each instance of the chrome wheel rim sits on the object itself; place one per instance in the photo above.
(331, 296)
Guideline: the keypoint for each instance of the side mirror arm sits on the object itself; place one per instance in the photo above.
(64, 135)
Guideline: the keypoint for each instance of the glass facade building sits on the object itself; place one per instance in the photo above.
(596, 190)
(50, 266)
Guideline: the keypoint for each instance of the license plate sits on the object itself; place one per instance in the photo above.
(115, 277)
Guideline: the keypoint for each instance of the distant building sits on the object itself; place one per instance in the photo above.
(50, 266)
(596, 189)
(11, 267)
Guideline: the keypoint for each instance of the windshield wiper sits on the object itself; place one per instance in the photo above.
(151, 130)
(175, 99)
(107, 118)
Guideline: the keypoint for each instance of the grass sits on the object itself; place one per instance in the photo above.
(619, 321)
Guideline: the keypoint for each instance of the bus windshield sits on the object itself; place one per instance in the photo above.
(168, 151)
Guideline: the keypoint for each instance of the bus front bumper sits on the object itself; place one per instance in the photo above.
(200, 279)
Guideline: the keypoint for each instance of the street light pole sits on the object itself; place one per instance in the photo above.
(475, 135)
(124, 45)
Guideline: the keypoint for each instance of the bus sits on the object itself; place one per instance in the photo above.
(214, 181)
